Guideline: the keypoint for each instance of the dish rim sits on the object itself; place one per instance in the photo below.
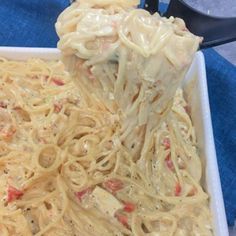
(212, 178)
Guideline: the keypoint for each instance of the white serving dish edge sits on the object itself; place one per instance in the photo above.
(196, 93)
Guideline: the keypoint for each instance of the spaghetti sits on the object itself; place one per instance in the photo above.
(60, 158)
(133, 60)
(116, 154)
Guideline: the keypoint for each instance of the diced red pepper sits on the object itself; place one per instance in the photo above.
(129, 207)
(58, 82)
(123, 219)
(169, 162)
(166, 143)
(113, 185)
(178, 189)
(80, 195)
(13, 194)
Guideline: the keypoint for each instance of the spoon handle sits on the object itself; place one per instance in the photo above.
(218, 31)
(214, 30)
(151, 6)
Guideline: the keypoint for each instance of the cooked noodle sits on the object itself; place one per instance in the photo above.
(54, 147)
(117, 153)
(133, 61)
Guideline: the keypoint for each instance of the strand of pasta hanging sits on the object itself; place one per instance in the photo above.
(134, 62)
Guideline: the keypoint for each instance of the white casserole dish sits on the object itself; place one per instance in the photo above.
(195, 89)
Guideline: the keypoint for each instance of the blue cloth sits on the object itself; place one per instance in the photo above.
(30, 23)
(221, 79)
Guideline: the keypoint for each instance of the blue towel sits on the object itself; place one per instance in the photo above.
(30, 23)
(221, 79)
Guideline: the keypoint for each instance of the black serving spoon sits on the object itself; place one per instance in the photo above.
(214, 30)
